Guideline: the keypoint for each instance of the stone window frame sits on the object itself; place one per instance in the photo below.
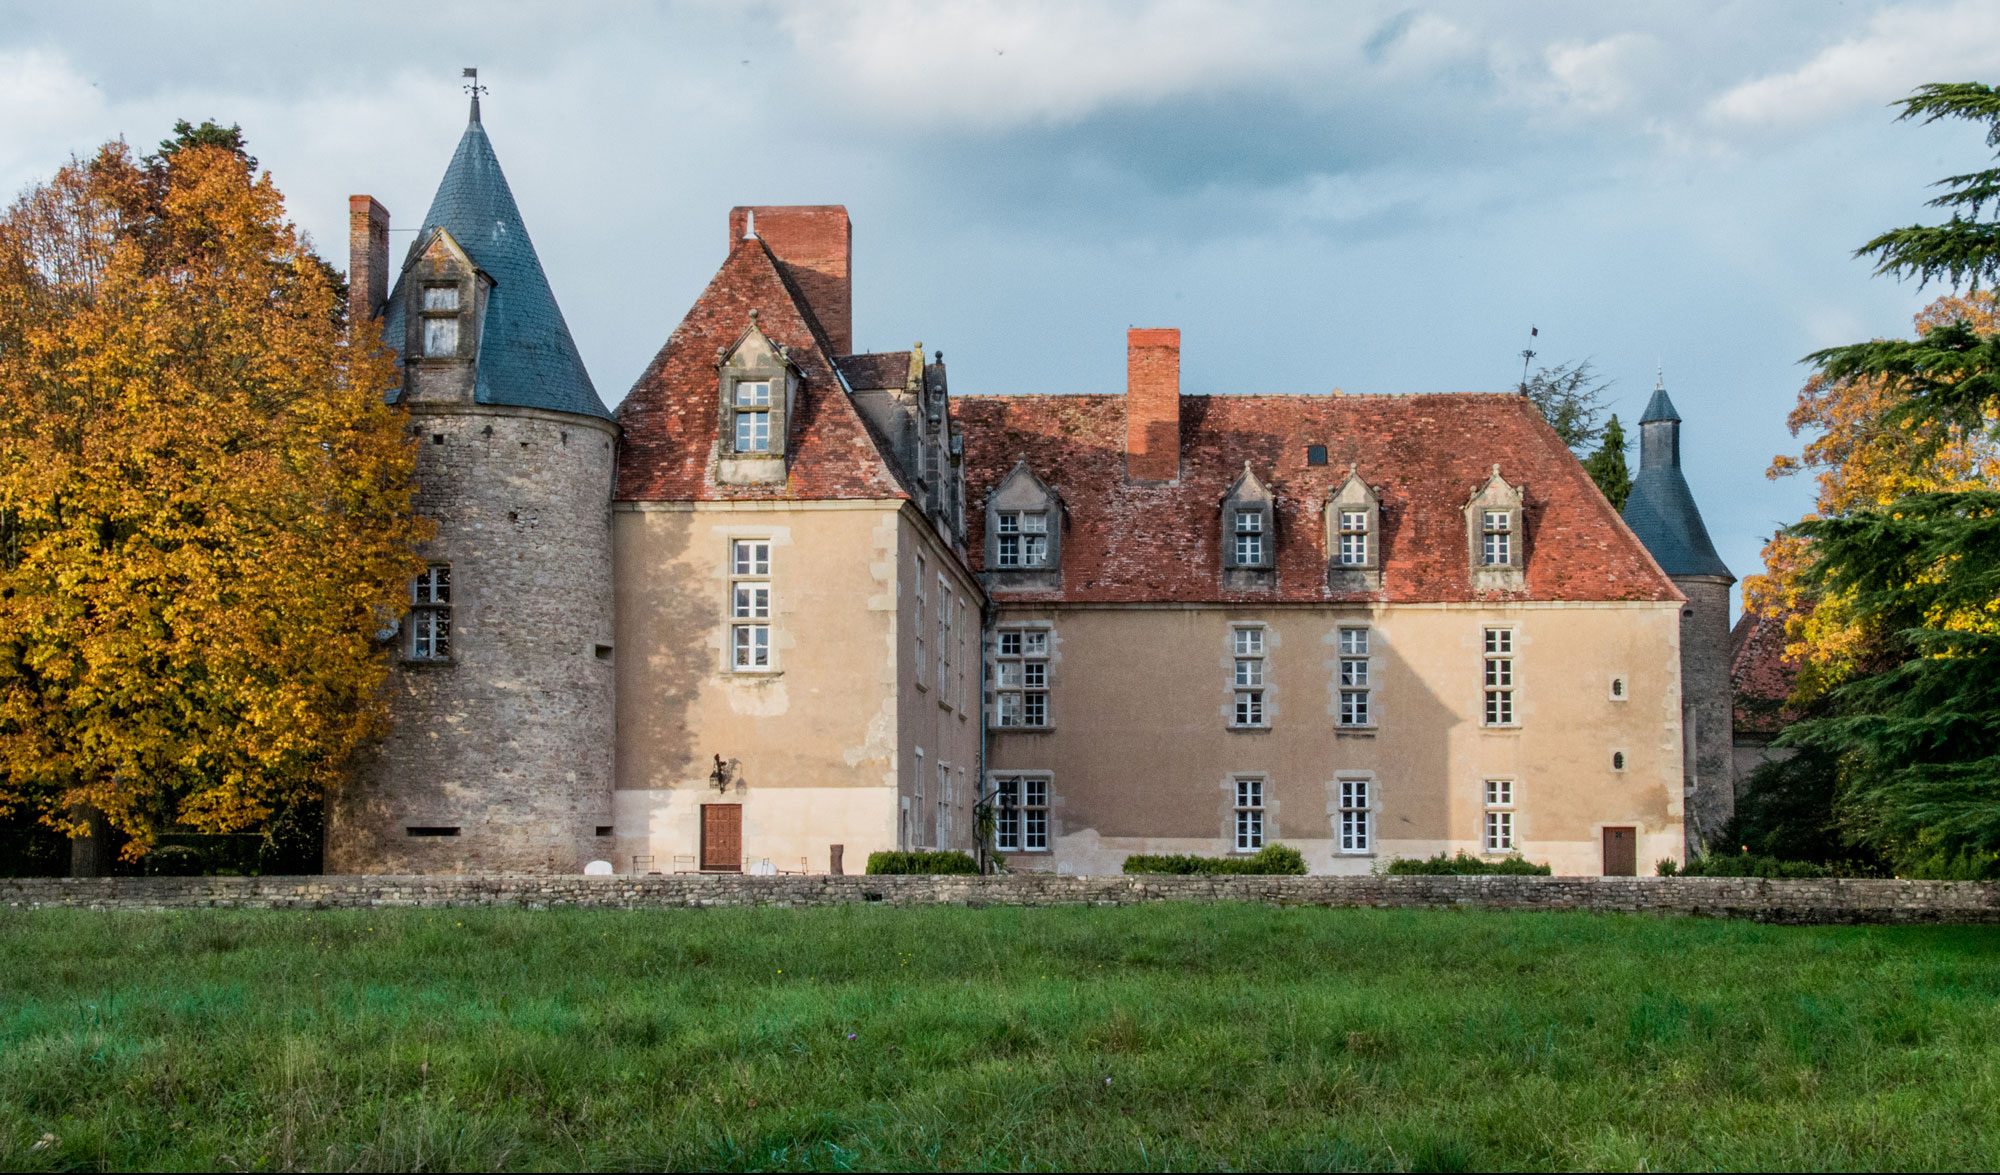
(734, 368)
(442, 262)
(452, 316)
(1499, 828)
(1017, 494)
(1250, 810)
(1499, 678)
(1496, 497)
(918, 804)
(1024, 535)
(1017, 811)
(1249, 676)
(1348, 816)
(1248, 499)
(917, 628)
(1353, 495)
(1348, 655)
(946, 605)
(431, 602)
(1033, 700)
(741, 576)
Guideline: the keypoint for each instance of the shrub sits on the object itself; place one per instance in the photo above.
(927, 863)
(1757, 865)
(1463, 864)
(1267, 860)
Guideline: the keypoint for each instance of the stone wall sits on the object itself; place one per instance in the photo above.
(1797, 902)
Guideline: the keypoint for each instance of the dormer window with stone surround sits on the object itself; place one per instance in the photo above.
(440, 317)
(1495, 541)
(443, 299)
(1354, 536)
(756, 387)
(1023, 533)
(1249, 548)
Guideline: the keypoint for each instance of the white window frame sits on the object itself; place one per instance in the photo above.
(1356, 685)
(1247, 527)
(751, 610)
(1354, 817)
(1496, 542)
(1248, 815)
(1021, 673)
(918, 807)
(917, 625)
(1249, 677)
(1497, 833)
(1021, 821)
(749, 410)
(1353, 529)
(1498, 679)
(430, 615)
(1020, 539)
(942, 833)
(945, 607)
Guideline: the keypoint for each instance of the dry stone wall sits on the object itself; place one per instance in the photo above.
(1799, 902)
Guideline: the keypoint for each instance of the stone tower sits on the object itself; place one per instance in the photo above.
(1661, 511)
(500, 753)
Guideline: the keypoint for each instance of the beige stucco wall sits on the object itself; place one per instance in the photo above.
(1143, 760)
(820, 747)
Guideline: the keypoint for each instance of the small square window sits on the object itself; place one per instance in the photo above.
(443, 298)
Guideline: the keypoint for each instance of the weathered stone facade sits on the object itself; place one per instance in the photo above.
(1706, 721)
(1791, 901)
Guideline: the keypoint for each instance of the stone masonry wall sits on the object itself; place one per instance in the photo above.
(1795, 902)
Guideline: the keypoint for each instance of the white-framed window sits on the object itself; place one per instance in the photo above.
(1021, 538)
(1499, 816)
(1353, 538)
(1496, 530)
(1499, 677)
(1021, 814)
(430, 614)
(945, 606)
(752, 404)
(750, 605)
(917, 626)
(1249, 534)
(1021, 678)
(943, 830)
(1247, 678)
(1356, 685)
(1249, 814)
(966, 702)
(1356, 817)
(918, 808)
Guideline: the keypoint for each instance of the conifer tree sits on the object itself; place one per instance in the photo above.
(1607, 465)
(205, 503)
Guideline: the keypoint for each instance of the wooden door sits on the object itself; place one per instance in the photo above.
(1621, 852)
(722, 838)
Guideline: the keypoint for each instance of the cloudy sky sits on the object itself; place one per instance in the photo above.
(1378, 197)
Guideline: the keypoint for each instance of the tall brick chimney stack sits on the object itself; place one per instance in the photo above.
(814, 246)
(367, 256)
(1153, 404)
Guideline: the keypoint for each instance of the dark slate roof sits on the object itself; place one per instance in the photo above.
(877, 369)
(526, 355)
(1660, 408)
(1661, 509)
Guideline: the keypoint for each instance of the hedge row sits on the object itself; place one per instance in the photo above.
(1269, 859)
(921, 862)
(1465, 865)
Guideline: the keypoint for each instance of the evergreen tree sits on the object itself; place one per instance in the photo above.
(1607, 465)
(1919, 742)
(1571, 397)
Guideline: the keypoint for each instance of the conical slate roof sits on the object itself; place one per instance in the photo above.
(526, 356)
(1661, 509)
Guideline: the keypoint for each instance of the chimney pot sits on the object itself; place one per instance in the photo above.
(1152, 403)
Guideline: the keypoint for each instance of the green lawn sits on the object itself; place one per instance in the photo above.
(1165, 1037)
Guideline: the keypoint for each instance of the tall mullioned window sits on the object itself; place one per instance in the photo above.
(1021, 814)
(1249, 532)
(1247, 677)
(1496, 529)
(1356, 690)
(1353, 538)
(750, 605)
(1021, 678)
(752, 403)
(440, 318)
(1355, 829)
(1499, 677)
(1499, 816)
(918, 627)
(1021, 538)
(1249, 814)
(430, 614)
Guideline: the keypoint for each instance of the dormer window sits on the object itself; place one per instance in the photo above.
(440, 317)
(753, 416)
(1353, 538)
(1496, 538)
(1021, 538)
(1249, 530)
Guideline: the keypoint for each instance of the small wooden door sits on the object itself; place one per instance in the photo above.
(722, 838)
(1621, 852)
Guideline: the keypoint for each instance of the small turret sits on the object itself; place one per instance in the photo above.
(1662, 512)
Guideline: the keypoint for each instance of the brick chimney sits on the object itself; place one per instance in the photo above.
(367, 256)
(814, 247)
(1153, 404)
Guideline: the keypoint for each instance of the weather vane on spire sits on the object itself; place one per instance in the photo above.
(1528, 355)
(472, 87)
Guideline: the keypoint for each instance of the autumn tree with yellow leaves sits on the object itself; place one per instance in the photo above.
(205, 503)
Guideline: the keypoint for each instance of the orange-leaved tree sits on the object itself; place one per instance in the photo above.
(1865, 458)
(205, 504)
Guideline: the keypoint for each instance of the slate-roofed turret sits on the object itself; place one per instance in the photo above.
(527, 358)
(1661, 509)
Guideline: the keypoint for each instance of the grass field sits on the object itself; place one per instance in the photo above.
(1168, 1037)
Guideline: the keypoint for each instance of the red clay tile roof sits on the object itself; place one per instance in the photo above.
(670, 416)
(1762, 675)
(877, 369)
(1126, 542)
